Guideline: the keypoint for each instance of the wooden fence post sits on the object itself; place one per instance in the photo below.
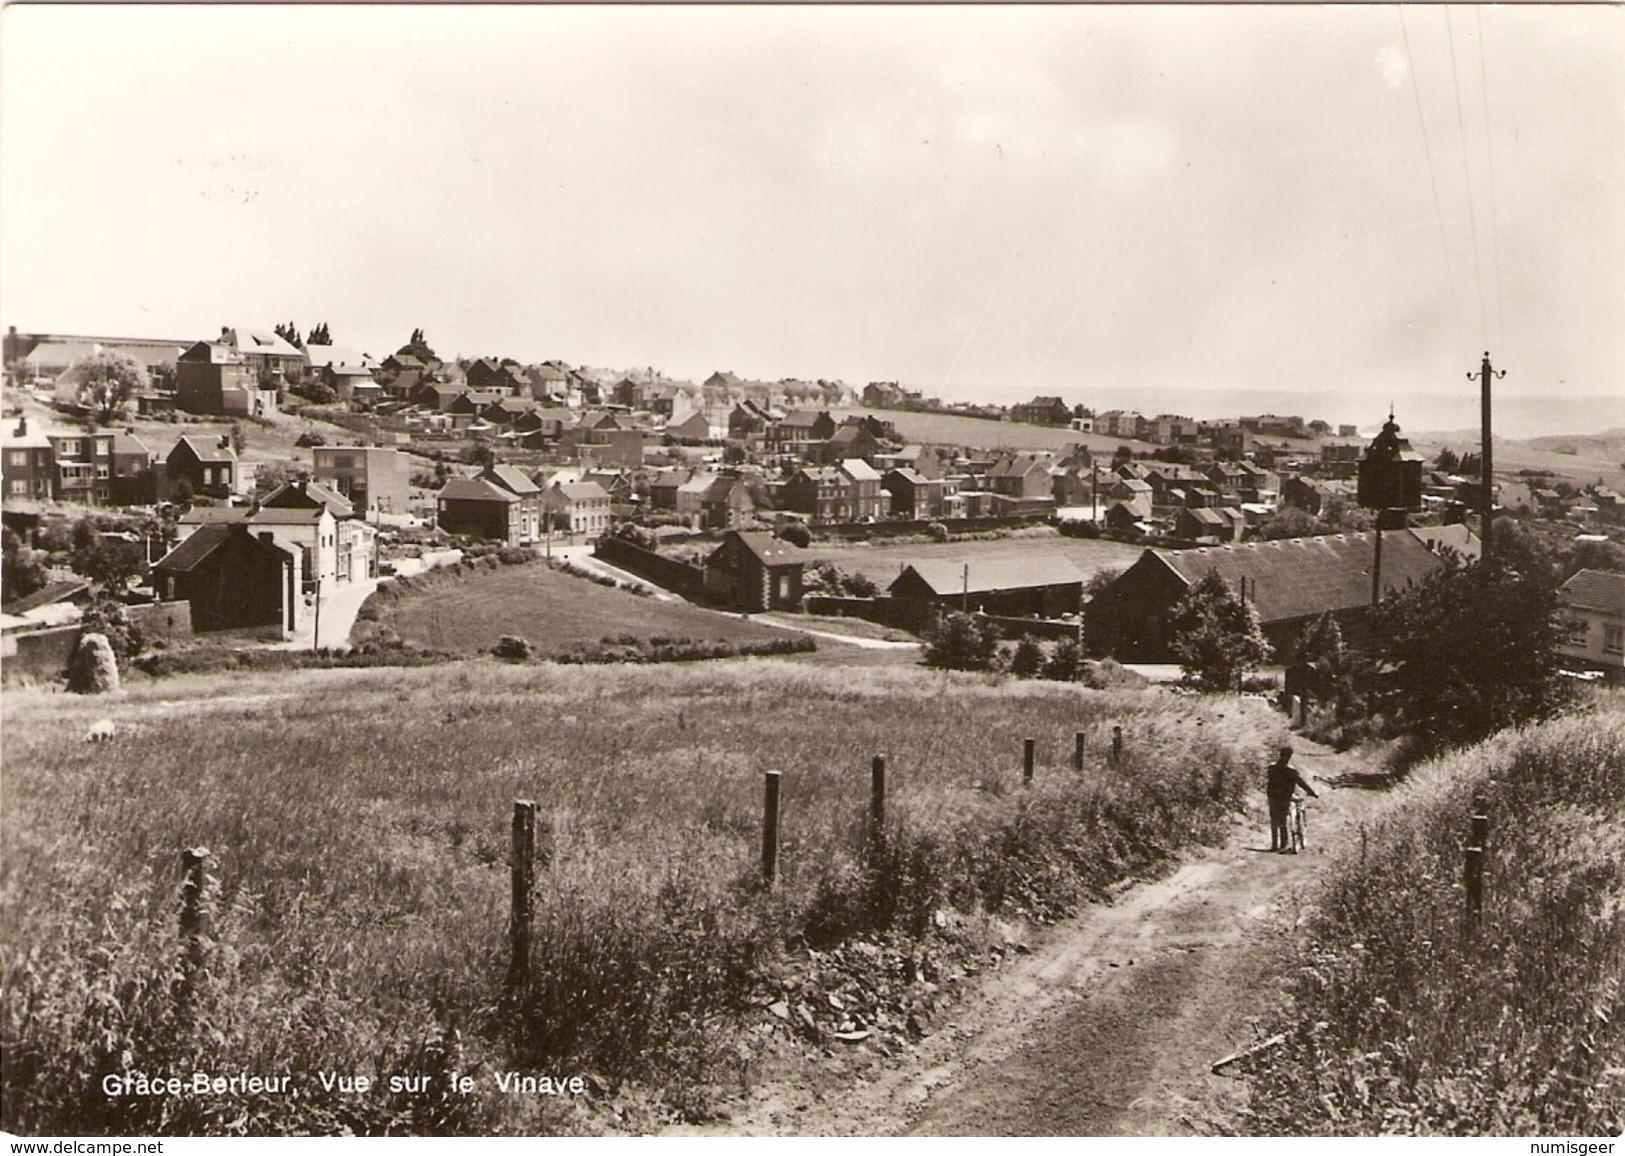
(1117, 744)
(1077, 752)
(193, 861)
(877, 804)
(1303, 711)
(524, 878)
(1028, 750)
(770, 829)
(1473, 855)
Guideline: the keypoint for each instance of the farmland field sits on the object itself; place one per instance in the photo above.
(356, 823)
(883, 560)
(553, 611)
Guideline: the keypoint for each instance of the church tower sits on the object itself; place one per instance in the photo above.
(1390, 475)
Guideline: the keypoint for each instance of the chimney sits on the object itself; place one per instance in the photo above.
(267, 537)
(224, 442)
(22, 426)
(225, 332)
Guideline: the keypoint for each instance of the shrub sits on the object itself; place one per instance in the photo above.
(936, 531)
(957, 641)
(1027, 659)
(513, 648)
(797, 534)
(110, 618)
(1065, 662)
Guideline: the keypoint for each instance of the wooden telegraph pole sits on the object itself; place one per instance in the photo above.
(1486, 500)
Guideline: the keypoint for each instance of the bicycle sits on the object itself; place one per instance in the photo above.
(1294, 826)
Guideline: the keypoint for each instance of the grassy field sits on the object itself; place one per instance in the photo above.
(554, 611)
(1408, 1022)
(883, 561)
(356, 909)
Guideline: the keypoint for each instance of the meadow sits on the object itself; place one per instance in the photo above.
(467, 611)
(1409, 1021)
(357, 828)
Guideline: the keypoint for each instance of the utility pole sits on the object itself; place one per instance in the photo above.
(316, 635)
(964, 590)
(1486, 499)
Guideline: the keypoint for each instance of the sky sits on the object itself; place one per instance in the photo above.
(983, 202)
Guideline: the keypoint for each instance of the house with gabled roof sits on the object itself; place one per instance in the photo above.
(234, 577)
(754, 572)
(208, 466)
(480, 509)
(1593, 607)
(913, 495)
(578, 507)
(516, 482)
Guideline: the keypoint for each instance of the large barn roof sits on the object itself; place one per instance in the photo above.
(984, 575)
(1300, 577)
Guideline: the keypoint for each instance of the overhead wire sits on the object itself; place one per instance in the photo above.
(1489, 151)
(1433, 180)
(1467, 176)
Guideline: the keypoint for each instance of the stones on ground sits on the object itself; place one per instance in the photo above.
(93, 668)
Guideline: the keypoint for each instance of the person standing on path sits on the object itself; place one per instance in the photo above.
(1282, 781)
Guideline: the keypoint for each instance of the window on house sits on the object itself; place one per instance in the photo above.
(19, 486)
(102, 472)
(1613, 639)
(19, 457)
(1579, 628)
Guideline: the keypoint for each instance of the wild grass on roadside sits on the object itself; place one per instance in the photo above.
(357, 823)
(1406, 1021)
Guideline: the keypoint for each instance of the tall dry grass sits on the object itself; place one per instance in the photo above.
(358, 827)
(1405, 1021)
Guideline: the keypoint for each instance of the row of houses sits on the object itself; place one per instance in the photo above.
(113, 467)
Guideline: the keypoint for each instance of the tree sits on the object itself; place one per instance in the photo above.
(239, 437)
(105, 382)
(958, 642)
(797, 534)
(1289, 522)
(1471, 650)
(1216, 636)
(290, 334)
(1065, 662)
(1028, 658)
(109, 562)
(109, 618)
(1448, 461)
(1469, 465)
(319, 336)
(24, 570)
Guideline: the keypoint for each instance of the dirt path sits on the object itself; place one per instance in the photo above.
(1111, 1026)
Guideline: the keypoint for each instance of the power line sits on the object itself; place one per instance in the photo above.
(1433, 180)
(1467, 175)
(1489, 149)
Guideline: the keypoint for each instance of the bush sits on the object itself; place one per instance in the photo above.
(957, 641)
(936, 531)
(797, 534)
(310, 438)
(1028, 658)
(513, 648)
(1065, 662)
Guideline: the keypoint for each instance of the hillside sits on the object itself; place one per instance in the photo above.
(357, 826)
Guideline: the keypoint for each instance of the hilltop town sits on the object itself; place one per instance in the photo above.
(254, 477)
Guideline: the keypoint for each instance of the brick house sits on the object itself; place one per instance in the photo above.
(914, 496)
(1050, 411)
(528, 493)
(210, 470)
(476, 507)
(27, 463)
(753, 572)
(233, 578)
